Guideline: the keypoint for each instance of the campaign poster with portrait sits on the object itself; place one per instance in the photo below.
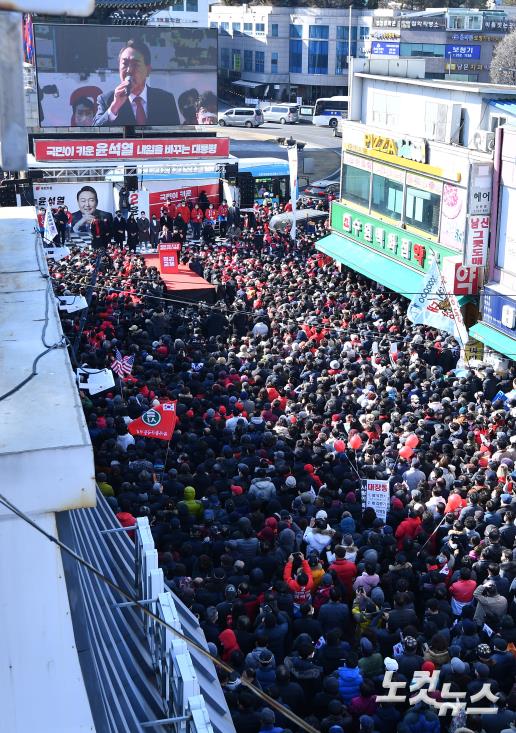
(120, 76)
(86, 201)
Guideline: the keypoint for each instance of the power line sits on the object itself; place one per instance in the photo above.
(286, 712)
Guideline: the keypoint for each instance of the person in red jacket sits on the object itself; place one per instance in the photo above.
(345, 570)
(196, 219)
(302, 583)
(212, 214)
(408, 529)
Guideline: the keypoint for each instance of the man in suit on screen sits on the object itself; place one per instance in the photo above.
(134, 102)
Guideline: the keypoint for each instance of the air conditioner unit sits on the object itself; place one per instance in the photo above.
(484, 141)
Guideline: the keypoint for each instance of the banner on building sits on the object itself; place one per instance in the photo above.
(460, 279)
(481, 179)
(377, 497)
(477, 240)
(158, 422)
(435, 306)
(84, 201)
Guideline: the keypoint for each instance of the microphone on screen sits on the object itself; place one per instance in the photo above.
(129, 80)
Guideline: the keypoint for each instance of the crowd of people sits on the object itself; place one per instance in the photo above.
(289, 395)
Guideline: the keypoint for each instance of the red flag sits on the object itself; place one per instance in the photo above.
(158, 422)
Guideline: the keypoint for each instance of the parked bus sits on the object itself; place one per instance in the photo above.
(329, 110)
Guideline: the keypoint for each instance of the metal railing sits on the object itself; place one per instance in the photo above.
(183, 702)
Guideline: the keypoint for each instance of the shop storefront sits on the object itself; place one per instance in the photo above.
(405, 201)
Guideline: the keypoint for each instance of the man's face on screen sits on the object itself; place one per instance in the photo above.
(132, 62)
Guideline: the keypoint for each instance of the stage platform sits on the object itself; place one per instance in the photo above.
(186, 285)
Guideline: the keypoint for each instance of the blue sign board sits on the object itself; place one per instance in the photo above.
(385, 48)
(462, 51)
(498, 310)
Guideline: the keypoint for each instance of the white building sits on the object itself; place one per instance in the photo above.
(186, 13)
(287, 51)
(417, 178)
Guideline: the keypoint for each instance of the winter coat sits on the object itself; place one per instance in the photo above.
(349, 683)
(262, 489)
(301, 592)
(193, 505)
(416, 721)
(346, 572)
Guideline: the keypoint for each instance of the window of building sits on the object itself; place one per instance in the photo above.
(192, 6)
(343, 33)
(236, 27)
(274, 30)
(236, 59)
(321, 32)
(224, 27)
(224, 58)
(214, 24)
(259, 27)
(177, 6)
(465, 22)
(355, 185)
(296, 30)
(431, 50)
(296, 57)
(318, 57)
(248, 60)
(341, 57)
(248, 27)
(259, 61)
(422, 210)
(274, 62)
(364, 32)
(387, 197)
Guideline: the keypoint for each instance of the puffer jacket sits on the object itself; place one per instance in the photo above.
(350, 680)
(262, 489)
(193, 505)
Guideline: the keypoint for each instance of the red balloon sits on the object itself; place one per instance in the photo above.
(339, 446)
(412, 441)
(355, 442)
(406, 452)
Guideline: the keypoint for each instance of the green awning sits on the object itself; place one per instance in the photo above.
(496, 340)
(381, 269)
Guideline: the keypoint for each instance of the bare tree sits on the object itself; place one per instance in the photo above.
(503, 64)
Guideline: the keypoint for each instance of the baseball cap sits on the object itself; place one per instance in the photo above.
(321, 514)
(391, 665)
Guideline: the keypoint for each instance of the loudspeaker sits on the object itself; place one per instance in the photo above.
(231, 170)
(245, 183)
(7, 196)
(131, 183)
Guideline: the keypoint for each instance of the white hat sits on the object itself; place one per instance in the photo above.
(321, 514)
(391, 665)
(334, 364)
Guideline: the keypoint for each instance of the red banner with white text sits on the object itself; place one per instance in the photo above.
(122, 149)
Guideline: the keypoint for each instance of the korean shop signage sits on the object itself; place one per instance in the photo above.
(393, 242)
(403, 147)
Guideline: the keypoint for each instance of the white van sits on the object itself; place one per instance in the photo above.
(241, 117)
(281, 113)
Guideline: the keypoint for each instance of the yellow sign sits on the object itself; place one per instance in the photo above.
(381, 143)
(430, 170)
(474, 350)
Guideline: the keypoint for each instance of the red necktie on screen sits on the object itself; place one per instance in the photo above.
(141, 117)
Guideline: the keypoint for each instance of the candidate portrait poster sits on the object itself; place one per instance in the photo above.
(85, 201)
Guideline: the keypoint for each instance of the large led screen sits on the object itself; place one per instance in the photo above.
(112, 76)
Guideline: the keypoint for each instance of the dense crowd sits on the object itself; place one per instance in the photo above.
(256, 508)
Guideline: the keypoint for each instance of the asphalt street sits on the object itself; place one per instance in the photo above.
(321, 145)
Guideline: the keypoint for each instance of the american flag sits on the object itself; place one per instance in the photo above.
(122, 364)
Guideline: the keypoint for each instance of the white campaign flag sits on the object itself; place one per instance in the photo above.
(292, 165)
(434, 306)
(50, 226)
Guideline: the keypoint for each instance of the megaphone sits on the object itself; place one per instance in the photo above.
(56, 253)
(71, 303)
(95, 380)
